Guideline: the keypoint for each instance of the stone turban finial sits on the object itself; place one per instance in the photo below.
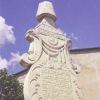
(45, 9)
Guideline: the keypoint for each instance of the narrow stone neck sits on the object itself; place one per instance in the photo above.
(49, 20)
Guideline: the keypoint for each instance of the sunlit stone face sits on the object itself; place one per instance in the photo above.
(51, 75)
(45, 9)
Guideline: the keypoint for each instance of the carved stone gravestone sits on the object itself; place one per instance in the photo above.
(51, 75)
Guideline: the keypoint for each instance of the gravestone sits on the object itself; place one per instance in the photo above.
(52, 74)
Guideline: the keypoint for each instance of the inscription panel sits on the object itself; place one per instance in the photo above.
(56, 84)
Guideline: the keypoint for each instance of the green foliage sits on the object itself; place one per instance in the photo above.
(10, 88)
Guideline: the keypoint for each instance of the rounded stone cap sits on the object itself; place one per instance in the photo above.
(45, 9)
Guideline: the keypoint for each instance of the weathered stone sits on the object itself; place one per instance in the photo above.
(51, 75)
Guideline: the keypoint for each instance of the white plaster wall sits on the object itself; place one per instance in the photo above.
(21, 77)
(89, 77)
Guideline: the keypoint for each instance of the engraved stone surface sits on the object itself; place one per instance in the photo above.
(51, 75)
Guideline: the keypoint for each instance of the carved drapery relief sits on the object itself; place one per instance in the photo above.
(51, 73)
